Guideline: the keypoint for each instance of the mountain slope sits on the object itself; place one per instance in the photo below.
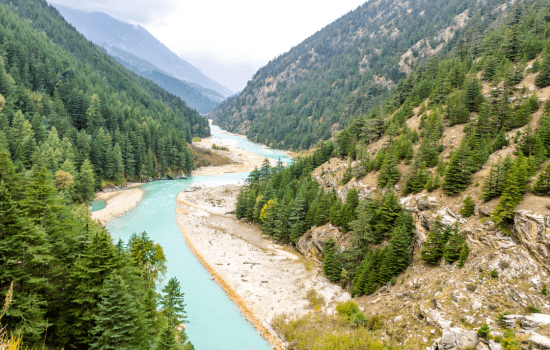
(201, 99)
(69, 107)
(347, 69)
(432, 211)
(110, 33)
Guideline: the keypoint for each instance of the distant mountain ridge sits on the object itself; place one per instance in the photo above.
(349, 68)
(138, 50)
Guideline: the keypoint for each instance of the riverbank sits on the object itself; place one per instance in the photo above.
(262, 278)
(242, 160)
(117, 203)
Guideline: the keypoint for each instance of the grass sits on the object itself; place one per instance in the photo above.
(320, 331)
(315, 300)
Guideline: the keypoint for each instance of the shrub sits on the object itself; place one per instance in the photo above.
(484, 331)
(532, 310)
(315, 300)
(196, 139)
(359, 319)
(374, 323)
(494, 274)
(544, 289)
(393, 281)
(347, 308)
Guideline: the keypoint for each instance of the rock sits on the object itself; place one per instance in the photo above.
(495, 346)
(484, 210)
(540, 341)
(482, 346)
(397, 318)
(427, 203)
(476, 305)
(534, 321)
(458, 338)
(510, 320)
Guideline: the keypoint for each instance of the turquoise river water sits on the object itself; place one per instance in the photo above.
(214, 322)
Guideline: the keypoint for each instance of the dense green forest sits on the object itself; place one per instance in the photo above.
(71, 108)
(447, 91)
(350, 67)
(69, 284)
(72, 120)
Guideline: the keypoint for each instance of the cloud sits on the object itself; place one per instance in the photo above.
(134, 11)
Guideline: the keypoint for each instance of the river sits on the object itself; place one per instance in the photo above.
(214, 322)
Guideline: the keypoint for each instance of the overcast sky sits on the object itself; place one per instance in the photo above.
(227, 39)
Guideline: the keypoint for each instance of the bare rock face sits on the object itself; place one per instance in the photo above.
(312, 242)
(533, 231)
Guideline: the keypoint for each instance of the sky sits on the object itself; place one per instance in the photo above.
(228, 40)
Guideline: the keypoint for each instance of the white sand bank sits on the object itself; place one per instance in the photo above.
(117, 203)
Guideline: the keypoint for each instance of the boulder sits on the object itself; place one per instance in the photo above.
(458, 338)
(495, 346)
(511, 320)
(534, 321)
(539, 341)
(426, 203)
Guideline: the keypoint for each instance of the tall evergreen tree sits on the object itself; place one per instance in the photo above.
(117, 321)
(172, 303)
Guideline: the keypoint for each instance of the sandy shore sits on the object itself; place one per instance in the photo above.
(244, 160)
(117, 203)
(266, 279)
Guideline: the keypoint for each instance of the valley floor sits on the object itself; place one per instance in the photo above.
(267, 278)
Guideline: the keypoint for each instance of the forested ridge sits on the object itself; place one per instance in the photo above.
(350, 67)
(72, 120)
(73, 108)
(442, 93)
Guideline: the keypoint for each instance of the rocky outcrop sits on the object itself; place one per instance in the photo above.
(455, 339)
(533, 231)
(312, 242)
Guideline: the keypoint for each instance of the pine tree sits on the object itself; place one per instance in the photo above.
(435, 243)
(416, 179)
(389, 174)
(86, 181)
(542, 185)
(328, 257)
(167, 339)
(172, 303)
(458, 172)
(454, 245)
(24, 257)
(296, 218)
(117, 321)
(468, 206)
(514, 187)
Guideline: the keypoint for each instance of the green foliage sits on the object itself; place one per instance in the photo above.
(347, 308)
(358, 319)
(484, 331)
(532, 310)
(435, 243)
(542, 185)
(172, 303)
(544, 290)
(454, 246)
(494, 274)
(117, 322)
(68, 103)
(468, 206)
(514, 186)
